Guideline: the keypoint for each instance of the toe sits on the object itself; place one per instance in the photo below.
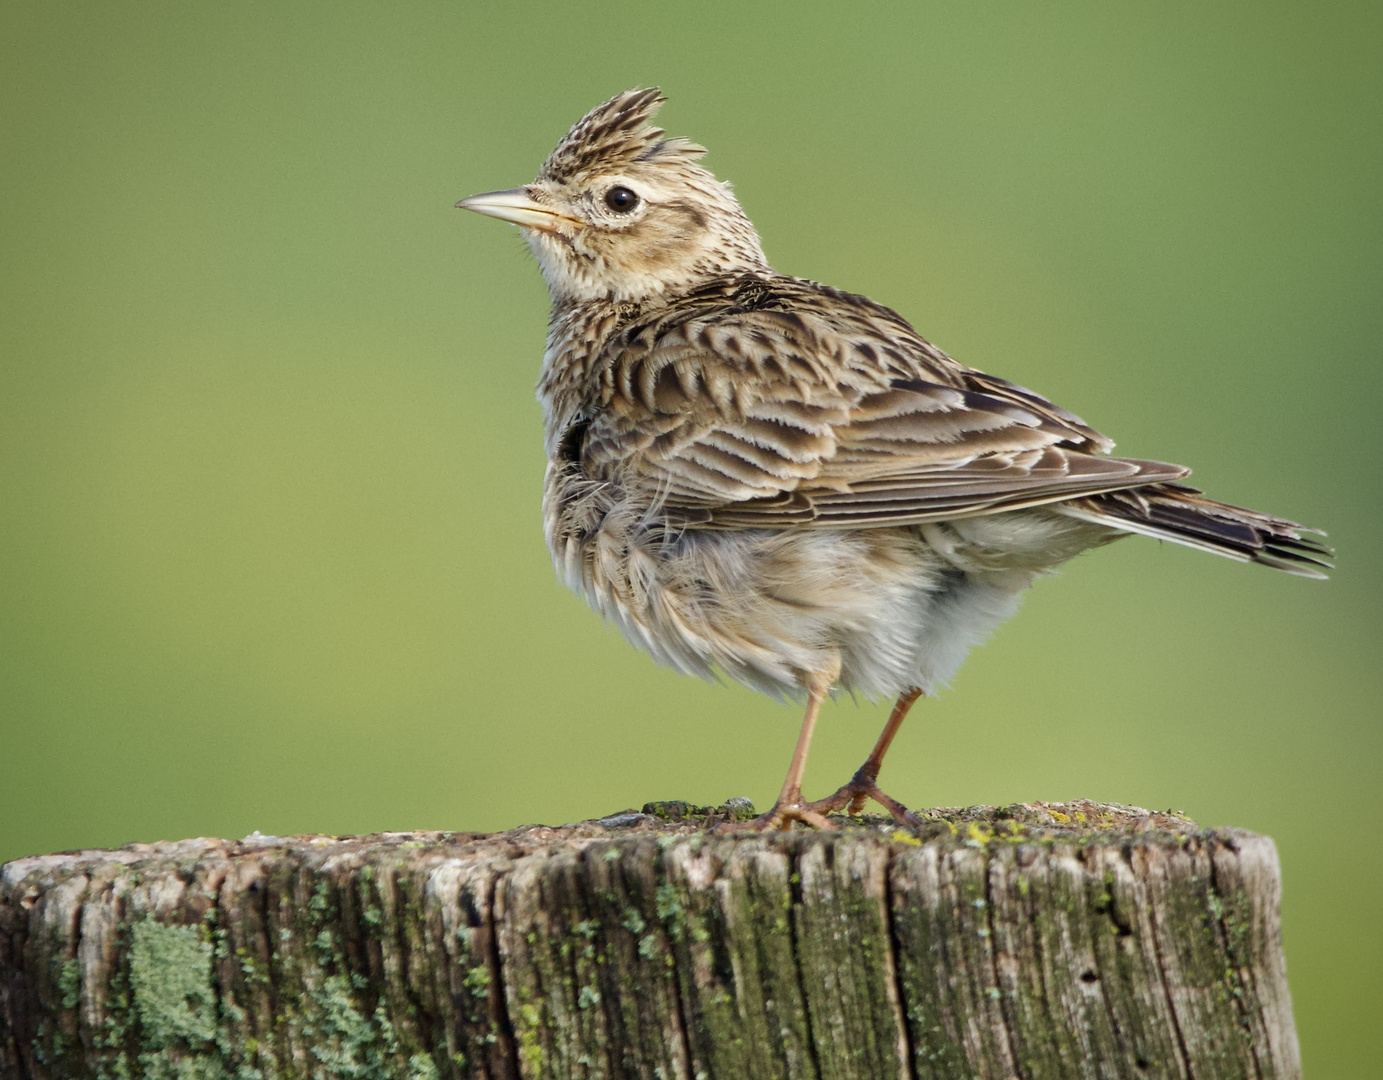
(808, 816)
(779, 819)
(900, 813)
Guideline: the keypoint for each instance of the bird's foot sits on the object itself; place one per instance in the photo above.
(785, 811)
(852, 796)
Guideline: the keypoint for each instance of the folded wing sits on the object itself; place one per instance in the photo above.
(831, 414)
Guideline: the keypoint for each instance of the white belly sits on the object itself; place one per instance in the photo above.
(901, 607)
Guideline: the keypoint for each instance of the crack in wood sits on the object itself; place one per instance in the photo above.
(893, 985)
(796, 929)
(505, 1036)
(1009, 1026)
(1103, 977)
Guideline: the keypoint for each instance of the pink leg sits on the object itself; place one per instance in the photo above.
(789, 806)
(863, 785)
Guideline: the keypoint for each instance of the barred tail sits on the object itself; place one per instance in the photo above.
(1184, 516)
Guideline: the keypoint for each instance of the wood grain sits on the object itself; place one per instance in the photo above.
(1035, 940)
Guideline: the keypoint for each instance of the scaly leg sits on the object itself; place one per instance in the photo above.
(789, 806)
(863, 785)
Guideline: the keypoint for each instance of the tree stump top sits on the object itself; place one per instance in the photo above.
(1037, 939)
(1078, 822)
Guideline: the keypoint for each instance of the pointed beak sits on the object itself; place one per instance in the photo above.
(517, 206)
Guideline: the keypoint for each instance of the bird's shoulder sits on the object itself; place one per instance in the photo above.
(762, 331)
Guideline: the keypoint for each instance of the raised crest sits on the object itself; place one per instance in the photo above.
(615, 135)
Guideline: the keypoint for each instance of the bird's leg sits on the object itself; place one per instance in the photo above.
(789, 806)
(863, 785)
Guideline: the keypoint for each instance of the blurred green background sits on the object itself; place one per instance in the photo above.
(270, 463)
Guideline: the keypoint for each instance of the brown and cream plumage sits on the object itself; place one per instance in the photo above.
(766, 477)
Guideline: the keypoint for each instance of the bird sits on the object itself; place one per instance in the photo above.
(763, 478)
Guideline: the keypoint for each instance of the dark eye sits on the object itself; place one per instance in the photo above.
(621, 200)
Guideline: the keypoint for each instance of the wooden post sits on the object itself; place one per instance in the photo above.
(1035, 940)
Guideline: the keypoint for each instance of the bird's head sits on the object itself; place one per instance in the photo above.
(620, 211)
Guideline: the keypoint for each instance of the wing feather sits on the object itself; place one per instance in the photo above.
(812, 407)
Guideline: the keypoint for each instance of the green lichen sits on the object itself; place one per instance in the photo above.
(320, 904)
(530, 1022)
(587, 928)
(478, 982)
(422, 1067)
(350, 1044)
(70, 984)
(673, 810)
(174, 1002)
(671, 911)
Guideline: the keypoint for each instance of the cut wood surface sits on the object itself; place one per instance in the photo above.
(1036, 940)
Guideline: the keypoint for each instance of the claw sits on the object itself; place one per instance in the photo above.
(852, 797)
(779, 819)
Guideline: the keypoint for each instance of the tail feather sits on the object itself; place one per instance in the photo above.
(1181, 514)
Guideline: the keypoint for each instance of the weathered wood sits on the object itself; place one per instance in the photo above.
(1037, 940)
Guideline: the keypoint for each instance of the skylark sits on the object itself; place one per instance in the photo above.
(772, 479)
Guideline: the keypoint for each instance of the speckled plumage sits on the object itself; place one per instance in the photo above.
(753, 474)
